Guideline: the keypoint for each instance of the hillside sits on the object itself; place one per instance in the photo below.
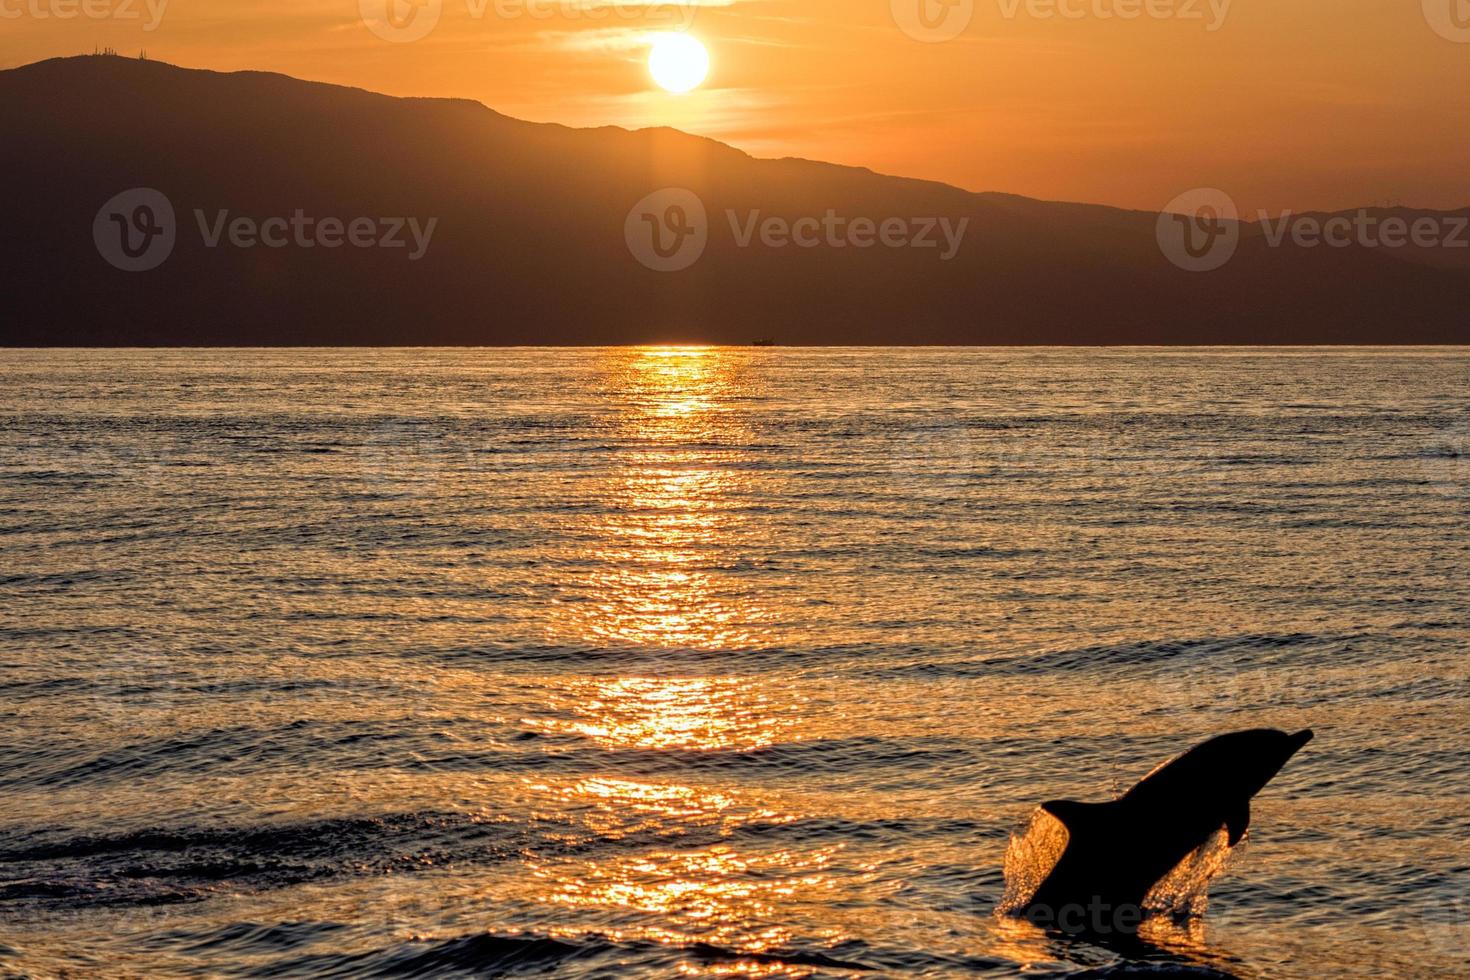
(528, 244)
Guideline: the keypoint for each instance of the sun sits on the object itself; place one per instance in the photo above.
(678, 62)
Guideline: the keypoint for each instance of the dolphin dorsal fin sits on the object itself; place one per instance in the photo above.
(1078, 818)
(1238, 822)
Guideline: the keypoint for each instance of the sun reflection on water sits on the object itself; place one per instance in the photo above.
(690, 714)
(657, 555)
(716, 894)
(659, 581)
(706, 893)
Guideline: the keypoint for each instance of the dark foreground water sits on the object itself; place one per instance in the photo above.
(716, 662)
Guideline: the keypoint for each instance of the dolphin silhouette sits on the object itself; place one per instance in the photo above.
(1116, 852)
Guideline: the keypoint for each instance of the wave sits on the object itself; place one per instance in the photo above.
(511, 955)
(1135, 653)
(172, 864)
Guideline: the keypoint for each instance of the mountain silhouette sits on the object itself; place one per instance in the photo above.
(529, 239)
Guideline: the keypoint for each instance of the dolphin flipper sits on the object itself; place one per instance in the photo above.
(1238, 822)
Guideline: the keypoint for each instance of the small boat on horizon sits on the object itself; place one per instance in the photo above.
(764, 342)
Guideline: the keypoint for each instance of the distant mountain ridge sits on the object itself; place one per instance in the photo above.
(533, 236)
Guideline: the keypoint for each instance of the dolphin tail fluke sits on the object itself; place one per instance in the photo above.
(1080, 819)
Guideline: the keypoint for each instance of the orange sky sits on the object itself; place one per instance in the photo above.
(1282, 103)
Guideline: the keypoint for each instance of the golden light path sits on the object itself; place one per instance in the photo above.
(670, 511)
(697, 714)
(657, 573)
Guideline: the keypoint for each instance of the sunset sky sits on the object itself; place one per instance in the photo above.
(1284, 103)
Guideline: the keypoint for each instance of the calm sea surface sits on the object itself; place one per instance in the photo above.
(716, 662)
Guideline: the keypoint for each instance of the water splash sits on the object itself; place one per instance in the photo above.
(1035, 849)
(1033, 852)
(1184, 892)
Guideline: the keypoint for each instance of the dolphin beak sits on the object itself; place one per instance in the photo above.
(1298, 740)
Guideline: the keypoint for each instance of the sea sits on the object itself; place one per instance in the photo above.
(718, 662)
